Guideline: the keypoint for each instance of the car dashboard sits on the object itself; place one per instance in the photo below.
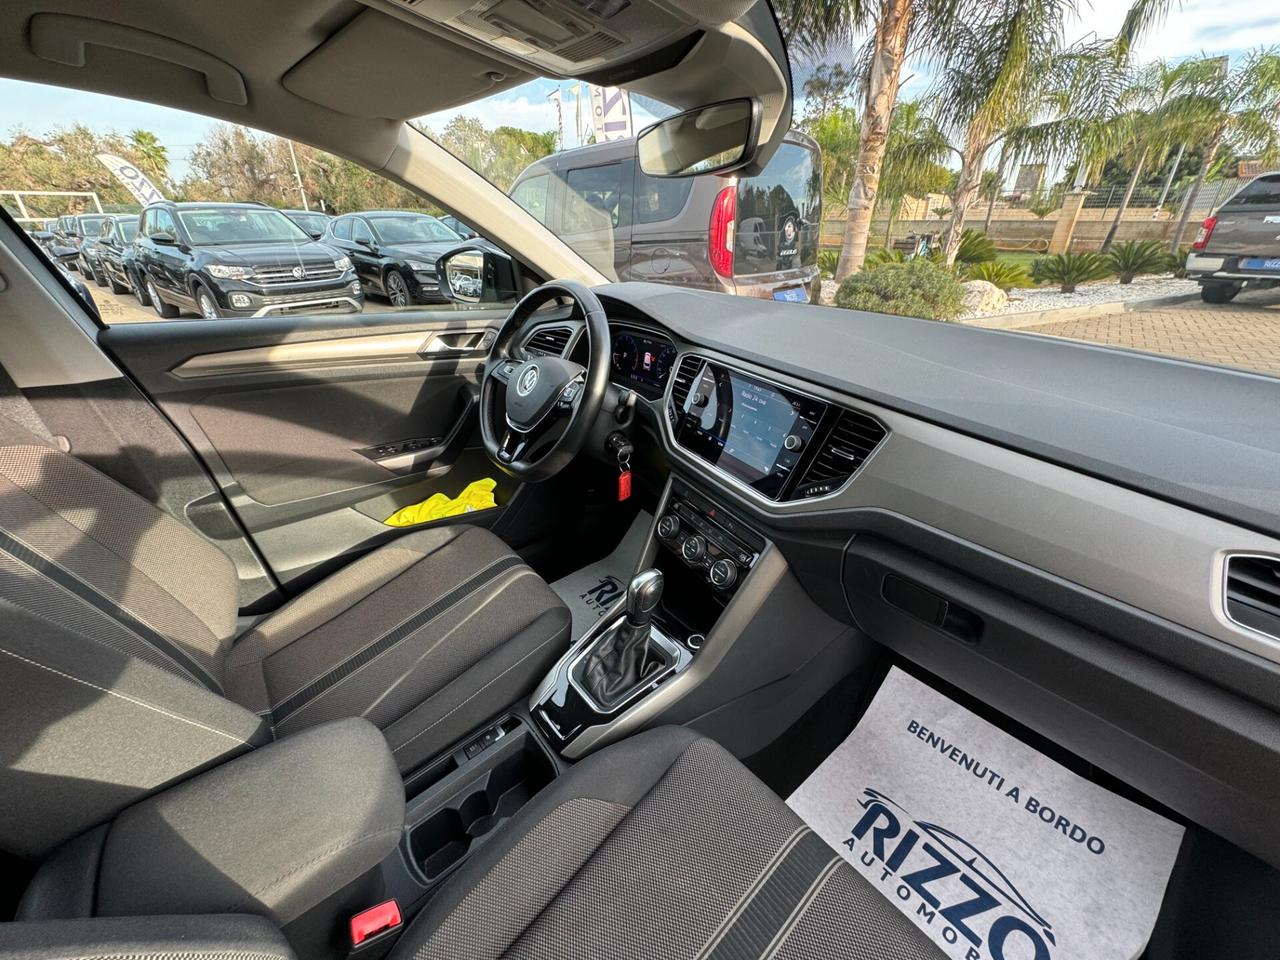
(958, 536)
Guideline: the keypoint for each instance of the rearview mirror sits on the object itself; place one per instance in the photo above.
(713, 139)
(477, 273)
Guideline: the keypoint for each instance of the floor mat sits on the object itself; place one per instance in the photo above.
(589, 592)
(989, 847)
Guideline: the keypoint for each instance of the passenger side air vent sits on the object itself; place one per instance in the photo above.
(852, 439)
(548, 341)
(1253, 593)
(685, 373)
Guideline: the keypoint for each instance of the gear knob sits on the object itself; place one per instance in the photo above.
(643, 595)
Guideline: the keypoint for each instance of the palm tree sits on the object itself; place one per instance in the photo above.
(927, 26)
(1002, 68)
(152, 155)
(913, 159)
(814, 25)
(1155, 116)
(1240, 105)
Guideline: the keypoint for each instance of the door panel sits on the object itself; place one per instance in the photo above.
(317, 429)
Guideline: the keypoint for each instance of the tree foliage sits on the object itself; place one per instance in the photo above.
(65, 158)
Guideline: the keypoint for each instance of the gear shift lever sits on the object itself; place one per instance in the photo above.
(620, 660)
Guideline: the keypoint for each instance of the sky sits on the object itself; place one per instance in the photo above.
(1200, 26)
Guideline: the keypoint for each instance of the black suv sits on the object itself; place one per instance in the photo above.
(394, 252)
(116, 254)
(238, 260)
(312, 221)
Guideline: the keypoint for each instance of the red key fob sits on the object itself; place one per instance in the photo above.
(624, 485)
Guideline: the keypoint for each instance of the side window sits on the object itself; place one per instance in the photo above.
(594, 193)
(147, 226)
(163, 223)
(360, 231)
(660, 199)
(531, 194)
(342, 229)
(1265, 191)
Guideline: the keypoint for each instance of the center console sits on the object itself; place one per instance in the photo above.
(696, 560)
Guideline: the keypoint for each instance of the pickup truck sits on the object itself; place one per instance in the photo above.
(1239, 245)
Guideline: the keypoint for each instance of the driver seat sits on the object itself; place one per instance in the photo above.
(119, 647)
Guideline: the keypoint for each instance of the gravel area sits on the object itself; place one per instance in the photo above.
(1093, 294)
(1086, 295)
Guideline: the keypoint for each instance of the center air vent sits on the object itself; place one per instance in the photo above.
(1253, 593)
(685, 373)
(549, 341)
(851, 440)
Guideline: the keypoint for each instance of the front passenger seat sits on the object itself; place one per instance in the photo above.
(120, 671)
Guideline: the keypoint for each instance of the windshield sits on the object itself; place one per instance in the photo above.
(89, 226)
(411, 229)
(239, 225)
(312, 223)
(128, 230)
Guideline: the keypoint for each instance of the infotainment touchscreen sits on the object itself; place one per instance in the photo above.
(742, 425)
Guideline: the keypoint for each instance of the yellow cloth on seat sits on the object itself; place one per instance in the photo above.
(477, 495)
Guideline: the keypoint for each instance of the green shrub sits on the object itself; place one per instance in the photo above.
(917, 288)
(878, 258)
(975, 247)
(1003, 274)
(828, 260)
(1176, 263)
(1133, 257)
(1069, 269)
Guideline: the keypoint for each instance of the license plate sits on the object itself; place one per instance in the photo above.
(1258, 263)
(801, 295)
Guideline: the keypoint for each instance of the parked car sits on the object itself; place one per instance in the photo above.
(394, 252)
(117, 256)
(458, 227)
(755, 236)
(238, 260)
(1239, 246)
(313, 221)
(71, 230)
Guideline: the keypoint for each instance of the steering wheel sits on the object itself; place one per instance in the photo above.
(535, 413)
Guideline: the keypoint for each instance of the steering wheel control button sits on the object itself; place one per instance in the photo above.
(723, 574)
(694, 549)
(669, 527)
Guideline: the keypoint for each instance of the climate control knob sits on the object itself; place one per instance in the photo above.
(694, 549)
(793, 441)
(723, 574)
(669, 526)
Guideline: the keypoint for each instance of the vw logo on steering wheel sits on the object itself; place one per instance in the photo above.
(528, 380)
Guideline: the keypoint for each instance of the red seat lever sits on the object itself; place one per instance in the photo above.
(369, 923)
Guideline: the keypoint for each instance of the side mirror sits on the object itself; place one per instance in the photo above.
(712, 139)
(164, 240)
(367, 244)
(477, 273)
(316, 236)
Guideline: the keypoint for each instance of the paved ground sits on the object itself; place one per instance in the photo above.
(1244, 333)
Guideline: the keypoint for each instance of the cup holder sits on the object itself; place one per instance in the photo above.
(493, 789)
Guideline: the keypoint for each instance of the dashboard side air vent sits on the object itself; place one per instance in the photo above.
(549, 341)
(683, 380)
(1253, 593)
(851, 440)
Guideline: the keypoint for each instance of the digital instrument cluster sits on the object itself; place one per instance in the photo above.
(642, 361)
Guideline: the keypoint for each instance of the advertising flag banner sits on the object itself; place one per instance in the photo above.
(135, 181)
(610, 113)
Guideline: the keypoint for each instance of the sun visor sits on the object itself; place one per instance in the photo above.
(379, 66)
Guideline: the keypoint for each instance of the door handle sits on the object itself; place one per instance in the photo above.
(462, 343)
